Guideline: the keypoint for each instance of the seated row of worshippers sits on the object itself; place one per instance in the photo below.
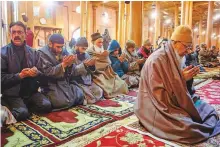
(52, 78)
(89, 74)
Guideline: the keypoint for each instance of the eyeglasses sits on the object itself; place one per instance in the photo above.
(18, 32)
(186, 46)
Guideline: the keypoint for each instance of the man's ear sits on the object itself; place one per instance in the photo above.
(50, 44)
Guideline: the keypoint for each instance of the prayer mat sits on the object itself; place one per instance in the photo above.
(211, 142)
(118, 107)
(210, 92)
(210, 73)
(54, 128)
(127, 137)
(198, 81)
(99, 133)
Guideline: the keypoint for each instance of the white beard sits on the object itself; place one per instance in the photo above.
(181, 60)
(98, 49)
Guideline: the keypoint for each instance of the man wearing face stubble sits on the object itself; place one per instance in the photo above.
(19, 85)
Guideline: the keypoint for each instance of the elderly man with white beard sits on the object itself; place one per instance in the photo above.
(164, 106)
(104, 76)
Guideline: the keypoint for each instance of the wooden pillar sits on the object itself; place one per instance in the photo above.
(190, 13)
(176, 16)
(30, 15)
(127, 22)
(163, 30)
(148, 26)
(217, 33)
(157, 23)
(218, 38)
(186, 18)
(136, 20)
(87, 18)
(200, 30)
(94, 18)
(83, 18)
(121, 23)
(209, 24)
(183, 12)
(117, 37)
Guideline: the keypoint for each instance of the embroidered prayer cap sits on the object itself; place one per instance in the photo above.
(57, 38)
(182, 33)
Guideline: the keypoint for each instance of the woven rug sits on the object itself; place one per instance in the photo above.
(118, 108)
(126, 137)
(210, 73)
(59, 127)
(210, 92)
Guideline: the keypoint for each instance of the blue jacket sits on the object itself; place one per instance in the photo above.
(118, 67)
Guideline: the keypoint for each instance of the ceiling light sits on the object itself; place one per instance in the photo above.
(151, 29)
(216, 17)
(196, 30)
(153, 15)
(78, 9)
(168, 21)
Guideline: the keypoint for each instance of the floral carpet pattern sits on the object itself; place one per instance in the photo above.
(58, 127)
(126, 137)
(107, 123)
(210, 73)
(210, 92)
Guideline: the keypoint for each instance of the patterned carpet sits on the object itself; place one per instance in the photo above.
(210, 73)
(106, 123)
(58, 127)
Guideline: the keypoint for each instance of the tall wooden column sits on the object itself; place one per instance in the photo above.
(116, 13)
(136, 20)
(121, 23)
(157, 22)
(209, 23)
(217, 39)
(200, 31)
(176, 15)
(190, 13)
(127, 22)
(87, 15)
(161, 27)
(183, 5)
(83, 18)
(186, 13)
(94, 18)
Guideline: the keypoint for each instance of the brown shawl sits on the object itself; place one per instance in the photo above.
(105, 77)
(164, 106)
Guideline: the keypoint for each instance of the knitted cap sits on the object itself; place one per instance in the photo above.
(130, 44)
(147, 43)
(57, 38)
(82, 42)
(182, 33)
(203, 45)
(95, 36)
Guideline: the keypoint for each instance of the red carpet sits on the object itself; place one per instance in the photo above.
(210, 92)
(57, 128)
(126, 138)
